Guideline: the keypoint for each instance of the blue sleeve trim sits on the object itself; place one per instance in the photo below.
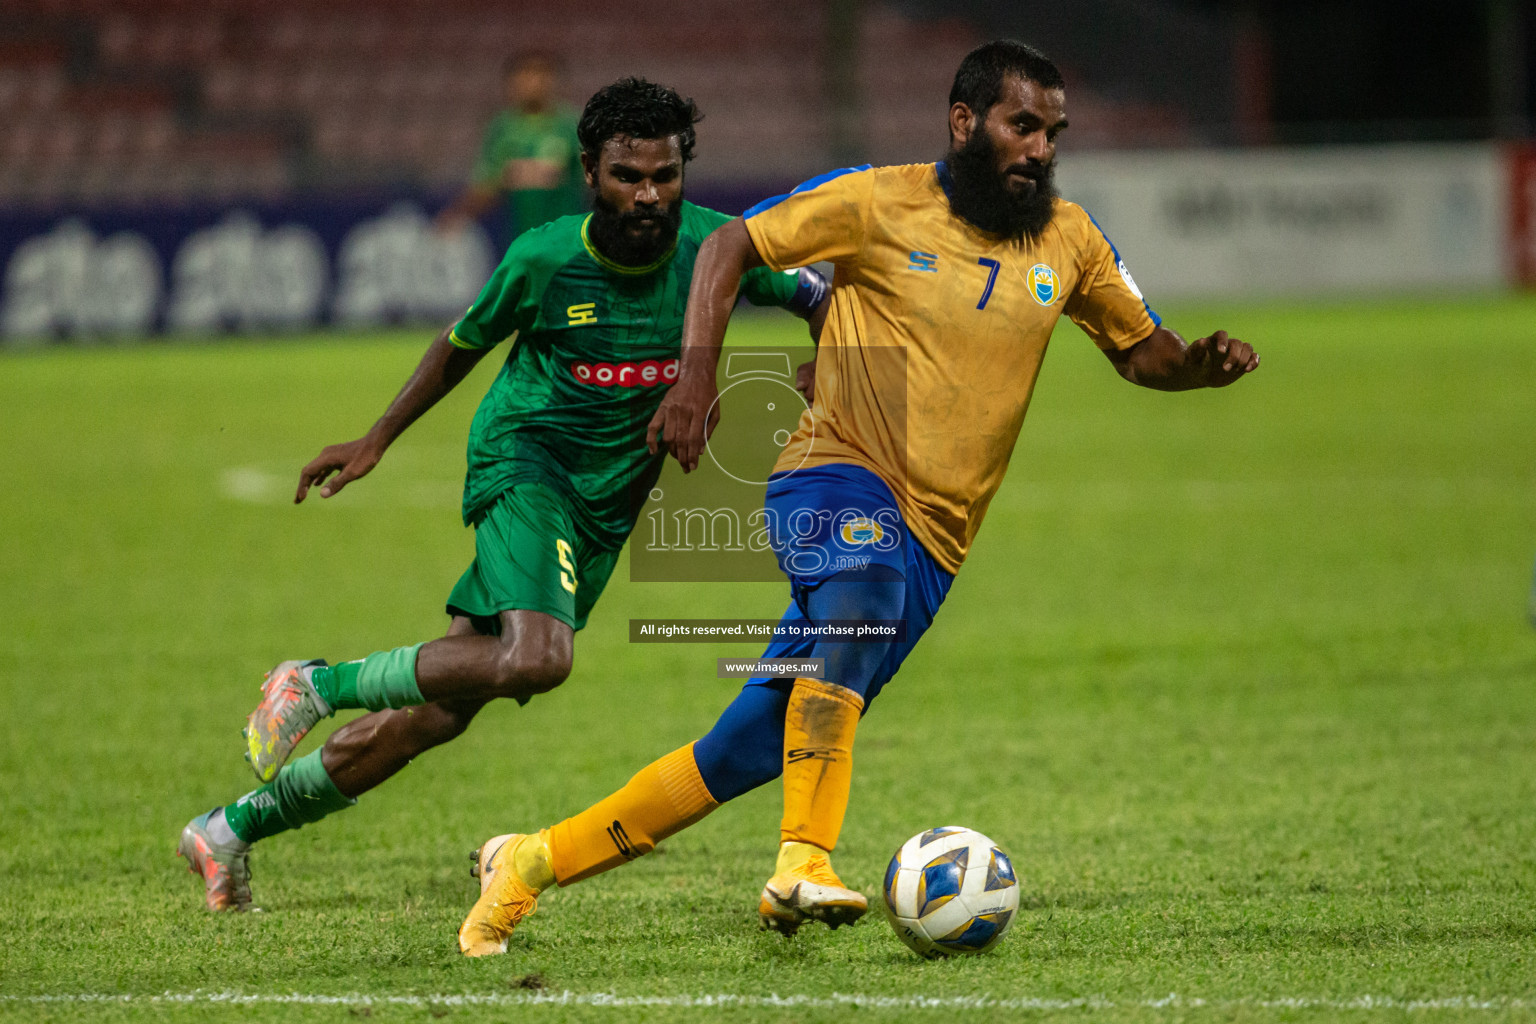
(804, 186)
(1157, 321)
(947, 181)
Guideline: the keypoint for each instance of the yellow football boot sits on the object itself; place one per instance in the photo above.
(805, 888)
(505, 898)
(480, 860)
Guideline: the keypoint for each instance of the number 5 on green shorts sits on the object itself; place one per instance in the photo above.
(531, 555)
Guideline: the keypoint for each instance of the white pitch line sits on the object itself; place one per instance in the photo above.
(726, 1000)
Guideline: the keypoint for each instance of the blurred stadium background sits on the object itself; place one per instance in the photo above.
(223, 165)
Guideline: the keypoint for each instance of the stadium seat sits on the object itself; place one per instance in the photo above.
(399, 89)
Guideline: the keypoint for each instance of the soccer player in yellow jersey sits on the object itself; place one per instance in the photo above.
(949, 280)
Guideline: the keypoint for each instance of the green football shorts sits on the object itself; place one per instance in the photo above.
(529, 556)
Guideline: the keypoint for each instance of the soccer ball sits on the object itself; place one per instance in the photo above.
(950, 891)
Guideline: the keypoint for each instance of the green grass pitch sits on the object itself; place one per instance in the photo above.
(1242, 679)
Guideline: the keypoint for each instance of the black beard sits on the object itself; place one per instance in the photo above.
(981, 195)
(608, 233)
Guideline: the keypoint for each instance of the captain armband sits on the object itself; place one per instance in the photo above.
(810, 289)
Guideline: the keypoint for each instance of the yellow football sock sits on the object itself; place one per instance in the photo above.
(530, 859)
(663, 798)
(818, 761)
(794, 856)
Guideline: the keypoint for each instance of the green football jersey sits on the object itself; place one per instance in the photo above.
(595, 346)
(514, 135)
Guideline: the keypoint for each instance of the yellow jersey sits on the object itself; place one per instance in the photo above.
(935, 334)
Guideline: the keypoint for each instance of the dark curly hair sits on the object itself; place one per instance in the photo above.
(637, 109)
(979, 80)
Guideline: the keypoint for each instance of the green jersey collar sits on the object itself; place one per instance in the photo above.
(619, 268)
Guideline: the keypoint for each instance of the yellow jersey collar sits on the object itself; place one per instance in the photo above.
(619, 268)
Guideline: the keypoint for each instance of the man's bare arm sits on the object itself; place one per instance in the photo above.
(688, 412)
(441, 369)
(1163, 361)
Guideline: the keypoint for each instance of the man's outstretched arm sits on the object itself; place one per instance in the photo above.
(1164, 362)
(441, 369)
(688, 412)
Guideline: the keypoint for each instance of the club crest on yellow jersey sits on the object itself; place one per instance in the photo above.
(861, 531)
(1043, 284)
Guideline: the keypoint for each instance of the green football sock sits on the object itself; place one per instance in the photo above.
(302, 793)
(384, 679)
(337, 684)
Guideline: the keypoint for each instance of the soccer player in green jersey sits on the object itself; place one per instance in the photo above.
(558, 471)
(529, 153)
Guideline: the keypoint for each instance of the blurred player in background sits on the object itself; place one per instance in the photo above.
(529, 153)
(558, 472)
(950, 278)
